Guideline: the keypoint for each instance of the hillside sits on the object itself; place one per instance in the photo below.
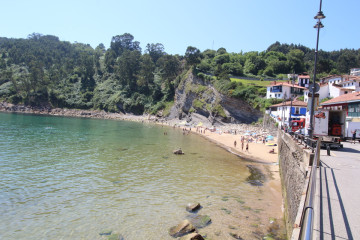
(44, 71)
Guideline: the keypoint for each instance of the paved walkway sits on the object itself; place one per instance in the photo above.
(337, 203)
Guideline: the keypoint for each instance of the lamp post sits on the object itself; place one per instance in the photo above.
(318, 25)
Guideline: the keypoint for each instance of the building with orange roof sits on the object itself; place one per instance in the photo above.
(284, 90)
(350, 104)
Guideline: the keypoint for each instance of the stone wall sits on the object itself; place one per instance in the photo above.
(294, 161)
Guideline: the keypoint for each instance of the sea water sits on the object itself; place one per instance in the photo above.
(77, 178)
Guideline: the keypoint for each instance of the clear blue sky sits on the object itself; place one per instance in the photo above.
(237, 25)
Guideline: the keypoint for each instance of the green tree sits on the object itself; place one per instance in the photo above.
(155, 51)
(295, 60)
(192, 56)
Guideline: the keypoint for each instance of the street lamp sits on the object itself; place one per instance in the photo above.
(318, 25)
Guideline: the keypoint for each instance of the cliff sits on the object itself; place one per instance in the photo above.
(196, 100)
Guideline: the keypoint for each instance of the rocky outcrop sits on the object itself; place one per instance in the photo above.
(195, 98)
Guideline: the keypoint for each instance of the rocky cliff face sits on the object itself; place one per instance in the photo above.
(196, 100)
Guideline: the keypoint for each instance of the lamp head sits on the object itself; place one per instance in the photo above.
(319, 25)
(320, 15)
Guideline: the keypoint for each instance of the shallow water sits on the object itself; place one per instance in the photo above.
(72, 178)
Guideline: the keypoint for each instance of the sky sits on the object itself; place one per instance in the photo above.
(236, 25)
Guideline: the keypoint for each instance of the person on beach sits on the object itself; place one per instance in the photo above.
(247, 147)
(242, 145)
(354, 136)
(235, 143)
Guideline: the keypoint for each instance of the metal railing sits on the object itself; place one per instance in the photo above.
(304, 140)
(307, 218)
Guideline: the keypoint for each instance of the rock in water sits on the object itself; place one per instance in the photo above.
(105, 232)
(200, 221)
(181, 229)
(115, 236)
(192, 207)
(192, 236)
(178, 152)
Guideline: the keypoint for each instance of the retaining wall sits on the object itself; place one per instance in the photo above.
(294, 165)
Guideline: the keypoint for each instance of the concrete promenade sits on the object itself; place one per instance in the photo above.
(337, 200)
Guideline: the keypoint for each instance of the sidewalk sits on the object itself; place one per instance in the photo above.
(337, 200)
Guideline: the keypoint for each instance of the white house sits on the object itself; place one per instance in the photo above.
(339, 85)
(280, 112)
(351, 82)
(355, 72)
(284, 90)
(303, 81)
(323, 92)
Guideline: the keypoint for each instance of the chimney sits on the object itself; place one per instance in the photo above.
(288, 81)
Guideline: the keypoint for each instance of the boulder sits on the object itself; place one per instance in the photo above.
(192, 236)
(178, 152)
(192, 207)
(181, 229)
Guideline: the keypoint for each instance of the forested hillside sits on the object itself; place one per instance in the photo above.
(42, 70)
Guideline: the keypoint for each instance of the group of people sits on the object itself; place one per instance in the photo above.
(242, 139)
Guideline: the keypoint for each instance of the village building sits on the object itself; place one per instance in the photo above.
(355, 72)
(284, 90)
(350, 104)
(281, 112)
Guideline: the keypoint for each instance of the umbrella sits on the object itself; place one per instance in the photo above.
(247, 134)
(269, 137)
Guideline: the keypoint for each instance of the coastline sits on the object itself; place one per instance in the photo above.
(258, 154)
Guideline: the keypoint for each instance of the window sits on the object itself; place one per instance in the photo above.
(297, 110)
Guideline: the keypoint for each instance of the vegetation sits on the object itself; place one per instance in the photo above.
(42, 70)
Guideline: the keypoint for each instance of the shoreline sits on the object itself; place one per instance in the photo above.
(258, 154)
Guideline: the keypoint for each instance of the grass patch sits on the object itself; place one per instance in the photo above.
(255, 82)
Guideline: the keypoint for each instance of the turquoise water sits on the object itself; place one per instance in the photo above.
(72, 178)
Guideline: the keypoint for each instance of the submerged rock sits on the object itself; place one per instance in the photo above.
(105, 232)
(178, 152)
(181, 229)
(116, 236)
(192, 236)
(193, 207)
(200, 221)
